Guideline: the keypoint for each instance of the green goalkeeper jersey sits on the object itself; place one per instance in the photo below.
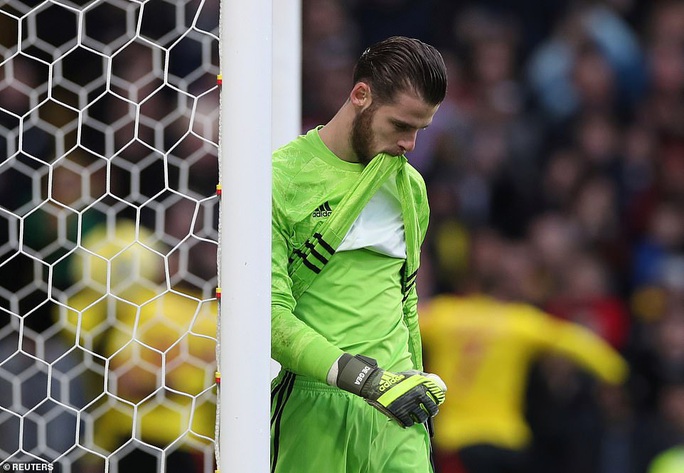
(357, 303)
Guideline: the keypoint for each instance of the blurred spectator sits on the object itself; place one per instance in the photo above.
(593, 54)
(485, 348)
(156, 342)
(638, 179)
(560, 179)
(662, 242)
(587, 298)
(657, 354)
(329, 50)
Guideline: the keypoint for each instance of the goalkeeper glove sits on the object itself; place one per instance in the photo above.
(408, 397)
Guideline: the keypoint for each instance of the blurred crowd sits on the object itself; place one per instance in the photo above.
(555, 170)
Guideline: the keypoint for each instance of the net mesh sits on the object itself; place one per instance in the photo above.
(108, 234)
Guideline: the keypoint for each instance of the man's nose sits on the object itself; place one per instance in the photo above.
(408, 143)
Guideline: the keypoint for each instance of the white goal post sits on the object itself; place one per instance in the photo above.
(135, 142)
(245, 232)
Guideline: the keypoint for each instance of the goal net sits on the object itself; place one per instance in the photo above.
(108, 234)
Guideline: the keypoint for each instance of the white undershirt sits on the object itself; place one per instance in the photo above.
(379, 226)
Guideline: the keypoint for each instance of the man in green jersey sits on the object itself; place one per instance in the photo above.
(349, 216)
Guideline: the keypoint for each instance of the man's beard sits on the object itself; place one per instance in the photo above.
(362, 135)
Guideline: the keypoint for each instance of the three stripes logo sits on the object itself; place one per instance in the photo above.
(323, 210)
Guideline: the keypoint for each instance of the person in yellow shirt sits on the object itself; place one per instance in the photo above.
(157, 345)
(484, 348)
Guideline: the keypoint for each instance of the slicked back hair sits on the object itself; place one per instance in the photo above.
(399, 64)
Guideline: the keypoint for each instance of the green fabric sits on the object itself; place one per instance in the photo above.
(353, 438)
(356, 303)
(307, 175)
(333, 229)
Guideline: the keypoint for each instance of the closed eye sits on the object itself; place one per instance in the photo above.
(403, 127)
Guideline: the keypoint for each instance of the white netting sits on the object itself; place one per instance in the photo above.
(108, 240)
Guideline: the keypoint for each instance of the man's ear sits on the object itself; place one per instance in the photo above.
(360, 95)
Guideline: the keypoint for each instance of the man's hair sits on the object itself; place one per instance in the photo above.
(400, 64)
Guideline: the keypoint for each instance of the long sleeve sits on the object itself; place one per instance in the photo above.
(589, 351)
(295, 345)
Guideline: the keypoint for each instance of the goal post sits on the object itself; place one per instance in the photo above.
(287, 71)
(245, 232)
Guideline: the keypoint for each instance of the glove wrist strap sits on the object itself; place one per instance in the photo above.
(354, 372)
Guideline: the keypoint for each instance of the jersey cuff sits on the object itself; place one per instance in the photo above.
(331, 379)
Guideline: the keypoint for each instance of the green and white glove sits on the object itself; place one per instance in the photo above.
(408, 397)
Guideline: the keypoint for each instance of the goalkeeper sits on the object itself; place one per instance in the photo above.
(349, 216)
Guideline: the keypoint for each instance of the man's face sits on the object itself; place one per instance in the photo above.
(390, 128)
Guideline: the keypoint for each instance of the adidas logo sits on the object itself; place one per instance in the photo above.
(323, 210)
